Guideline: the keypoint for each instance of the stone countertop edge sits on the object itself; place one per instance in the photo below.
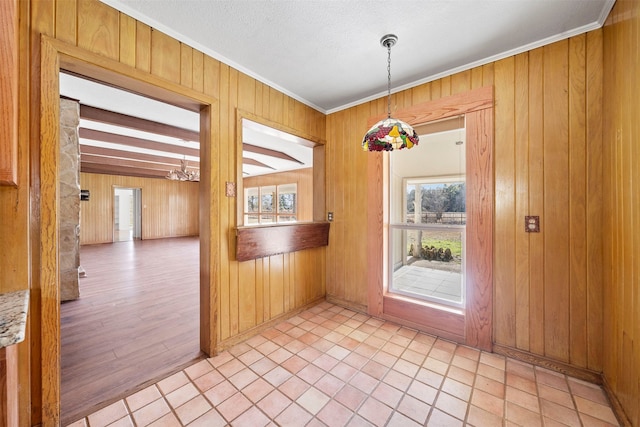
(13, 317)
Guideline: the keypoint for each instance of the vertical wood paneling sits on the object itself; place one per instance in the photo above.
(594, 200)
(170, 208)
(536, 201)
(505, 297)
(143, 46)
(577, 203)
(186, 65)
(66, 20)
(521, 168)
(10, 35)
(546, 150)
(198, 71)
(127, 40)
(621, 142)
(556, 196)
(165, 56)
(99, 29)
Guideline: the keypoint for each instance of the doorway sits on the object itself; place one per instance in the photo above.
(465, 319)
(428, 216)
(127, 214)
(56, 56)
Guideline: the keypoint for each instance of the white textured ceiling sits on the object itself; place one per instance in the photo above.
(326, 53)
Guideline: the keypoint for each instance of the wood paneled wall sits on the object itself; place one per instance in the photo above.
(248, 293)
(622, 206)
(302, 177)
(169, 208)
(548, 145)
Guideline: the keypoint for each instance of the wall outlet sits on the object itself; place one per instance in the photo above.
(532, 224)
(329, 216)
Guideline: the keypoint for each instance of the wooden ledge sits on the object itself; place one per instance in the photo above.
(260, 241)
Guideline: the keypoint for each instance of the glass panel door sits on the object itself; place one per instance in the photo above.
(428, 220)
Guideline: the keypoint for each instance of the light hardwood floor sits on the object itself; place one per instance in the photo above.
(137, 320)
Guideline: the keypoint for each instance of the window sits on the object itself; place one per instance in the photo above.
(427, 227)
(270, 204)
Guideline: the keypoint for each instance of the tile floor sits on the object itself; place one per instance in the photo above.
(331, 366)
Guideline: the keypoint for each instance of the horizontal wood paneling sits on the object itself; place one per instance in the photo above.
(547, 146)
(621, 201)
(302, 177)
(169, 208)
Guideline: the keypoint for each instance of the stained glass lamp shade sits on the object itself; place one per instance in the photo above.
(389, 134)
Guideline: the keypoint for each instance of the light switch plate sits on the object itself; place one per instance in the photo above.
(230, 189)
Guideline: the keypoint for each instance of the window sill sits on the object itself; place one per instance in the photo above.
(258, 241)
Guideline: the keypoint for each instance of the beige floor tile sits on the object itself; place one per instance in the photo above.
(143, 397)
(413, 408)
(330, 366)
(442, 419)
(595, 410)
(257, 390)
(182, 395)
(522, 416)
(108, 415)
(193, 409)
(150, 413)
(451, 405)
(334, 414)
(488, 402)
(231, 408)
(374, 411)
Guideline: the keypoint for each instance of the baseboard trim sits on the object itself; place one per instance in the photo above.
(544, 362)
(236, 339)
(618, 411)
(360, 308)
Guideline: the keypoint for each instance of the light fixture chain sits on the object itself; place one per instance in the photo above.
(388, 80)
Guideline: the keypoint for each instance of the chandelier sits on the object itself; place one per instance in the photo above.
(389, 134)
(183, 174)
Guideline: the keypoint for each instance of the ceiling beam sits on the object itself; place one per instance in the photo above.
(97, 135)
(253, 162)
(108, 152)
(89, 158)
(109, 117)
(268, 152)
(121, 170)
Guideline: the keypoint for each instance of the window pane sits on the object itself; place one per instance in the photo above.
(251, 197)
(267, 195)
(287, 198)
(441, 203)
(267, 219)
(286, 218)
(251, 219)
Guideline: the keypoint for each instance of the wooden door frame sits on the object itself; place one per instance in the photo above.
(45, 162)
(473, 325)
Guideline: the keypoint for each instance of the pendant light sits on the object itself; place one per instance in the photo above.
(389, 134)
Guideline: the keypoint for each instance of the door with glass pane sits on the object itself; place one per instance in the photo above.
(427, 220)
(427, 214)
(428, 244)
